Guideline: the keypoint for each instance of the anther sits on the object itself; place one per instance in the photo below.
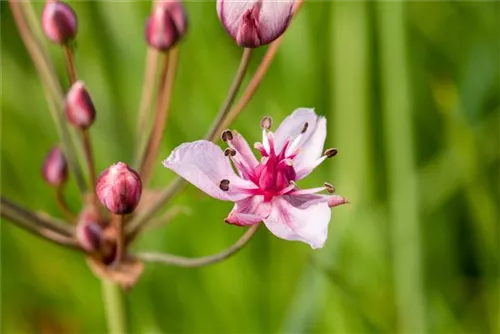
(304, 129)
(266, 122)
(331, 152)
(329, 187)
(226, 135)
(224, 185)
(229, 152)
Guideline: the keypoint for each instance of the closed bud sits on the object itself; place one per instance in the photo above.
(89, 231)
(253, 23)
(59, 22)
(119, 188)
(55, 167)
(166, 25)
(79, 108)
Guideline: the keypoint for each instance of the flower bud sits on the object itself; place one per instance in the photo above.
(166, 25)
(254, 23)
(119, 188)
(59, 22)
(79, 108)
(89, 231)
(55, 167)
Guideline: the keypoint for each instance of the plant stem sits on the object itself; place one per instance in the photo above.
(38, 224)
(70, 65)
(63, 205)
(89, 158)
(200, 261)
(231, 95)
(119, 222)
(143, 121)
(114, 304)
(169, 70)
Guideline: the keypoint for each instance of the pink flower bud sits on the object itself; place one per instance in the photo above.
(119, 188)
(166, 25)
(79, 108)
(253, 23)
(55, 167)
(89, 231)
(59, 22)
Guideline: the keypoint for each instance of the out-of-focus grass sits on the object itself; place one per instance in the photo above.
(410, 91)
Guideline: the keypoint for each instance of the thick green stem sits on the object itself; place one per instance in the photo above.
(114, 304)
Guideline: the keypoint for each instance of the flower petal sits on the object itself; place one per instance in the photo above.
(203, 164)
(307, 224)
(311, 142)
(249, 211)
(274, 19)
(244, 158)
(311, 148)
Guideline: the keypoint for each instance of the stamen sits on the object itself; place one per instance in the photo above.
(266, 122)
(265, 141)
(224, 185)
(331, 152)
(226, 135)
(293, 148)
(304, 129)
(329, 187)
(229, 152)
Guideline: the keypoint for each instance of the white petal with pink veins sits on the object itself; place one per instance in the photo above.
(309, 225)
(203, 164)
(311, 141)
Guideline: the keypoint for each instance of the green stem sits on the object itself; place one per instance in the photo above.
(114, 304)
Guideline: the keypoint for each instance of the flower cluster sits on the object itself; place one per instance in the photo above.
(111, 215)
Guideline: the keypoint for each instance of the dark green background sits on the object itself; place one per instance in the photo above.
(411, 96)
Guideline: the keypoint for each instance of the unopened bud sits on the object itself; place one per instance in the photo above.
(59, 22)
(119, 188)
(89, 232)
(80, 110)
(55, 167)
(166, 25)
(255, 23)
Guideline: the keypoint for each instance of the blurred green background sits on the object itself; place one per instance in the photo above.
(411, 94)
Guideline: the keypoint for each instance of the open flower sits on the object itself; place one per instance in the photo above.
(266, 190)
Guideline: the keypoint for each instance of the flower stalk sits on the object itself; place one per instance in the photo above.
(39, 224)
(180, 261)
(63, 205)
(169, 69)
(114, 305)
(70, 64)
(231, 95)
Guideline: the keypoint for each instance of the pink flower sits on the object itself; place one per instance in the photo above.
(253, 23)
(265, 190)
